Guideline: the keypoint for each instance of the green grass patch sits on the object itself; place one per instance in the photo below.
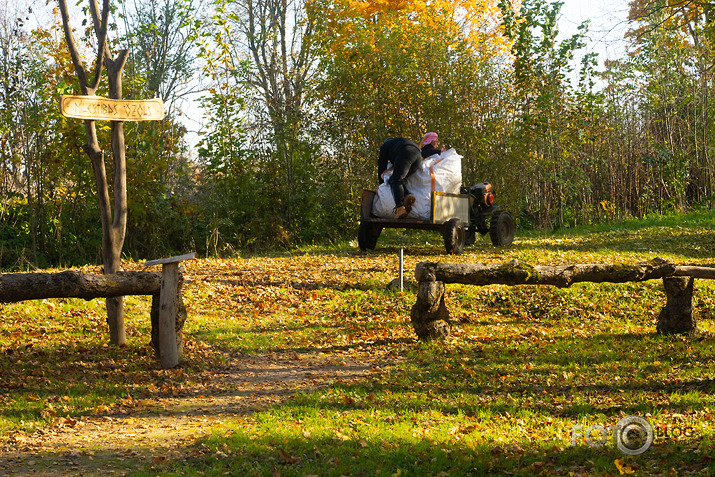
(526, 371)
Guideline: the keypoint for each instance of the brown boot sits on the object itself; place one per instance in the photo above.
(400, 212)
(409, 202)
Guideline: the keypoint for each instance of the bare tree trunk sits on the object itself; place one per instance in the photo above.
(113, 224)
(112, 251)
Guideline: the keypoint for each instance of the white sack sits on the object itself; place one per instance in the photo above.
(383, 205)
(446, 169)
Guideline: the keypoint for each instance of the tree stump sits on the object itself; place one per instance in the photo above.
(677, 315)
(430, 317)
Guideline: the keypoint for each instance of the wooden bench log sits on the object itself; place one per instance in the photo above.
(16, 287)
(520, 273)
(167, 302)
(695, 272)
(430, 317)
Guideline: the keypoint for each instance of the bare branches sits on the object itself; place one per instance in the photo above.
(72, 46)
(102, 48)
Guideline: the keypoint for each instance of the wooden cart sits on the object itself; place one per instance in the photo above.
(458, 217)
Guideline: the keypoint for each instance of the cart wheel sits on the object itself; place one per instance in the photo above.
(501, 228)
(367, 235)
(454, 235)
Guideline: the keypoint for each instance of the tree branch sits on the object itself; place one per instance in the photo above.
(101, 27)
(74, 53)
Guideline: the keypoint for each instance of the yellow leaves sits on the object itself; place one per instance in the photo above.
(369, 8)
(18, 437)
(69, 422)
(416, 22)
(48, 412)
(623, 467)
(608, 207)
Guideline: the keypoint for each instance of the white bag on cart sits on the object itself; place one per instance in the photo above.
(438, 173)
(383, 205)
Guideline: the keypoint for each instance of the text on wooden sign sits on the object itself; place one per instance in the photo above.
(98, 108)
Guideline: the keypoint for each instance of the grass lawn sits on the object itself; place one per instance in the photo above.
(528, 378)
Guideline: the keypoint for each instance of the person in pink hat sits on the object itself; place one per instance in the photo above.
(429, 145)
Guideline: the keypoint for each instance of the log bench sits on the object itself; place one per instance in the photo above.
(430, 317)
(168, 313)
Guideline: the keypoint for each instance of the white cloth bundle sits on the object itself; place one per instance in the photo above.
(437, 173)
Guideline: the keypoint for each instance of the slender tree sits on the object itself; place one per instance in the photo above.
(276, 38)
(114, 221)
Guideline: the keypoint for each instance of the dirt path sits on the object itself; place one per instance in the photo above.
(154, 431)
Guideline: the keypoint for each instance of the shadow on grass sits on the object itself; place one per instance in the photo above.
(423, 386)
(465, 453)
(307, 449)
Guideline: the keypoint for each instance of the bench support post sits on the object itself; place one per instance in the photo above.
(677, 316)
(168, 312)
(168, 308)
(430, 317)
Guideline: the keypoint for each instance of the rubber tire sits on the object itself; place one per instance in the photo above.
(502, 228)
(367, 235)
(454, 235)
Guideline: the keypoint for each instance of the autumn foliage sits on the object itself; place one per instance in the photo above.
(308, 364)
(297, 97)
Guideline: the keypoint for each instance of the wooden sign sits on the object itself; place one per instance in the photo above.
(98, 108)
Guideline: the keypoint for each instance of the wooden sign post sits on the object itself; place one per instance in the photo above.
(91, 108)
(98, 108)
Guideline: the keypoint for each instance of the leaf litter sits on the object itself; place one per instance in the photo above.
(262, 330)
(163, 412)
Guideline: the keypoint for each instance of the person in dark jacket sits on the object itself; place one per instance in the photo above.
(405, 157)
(428, 145)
